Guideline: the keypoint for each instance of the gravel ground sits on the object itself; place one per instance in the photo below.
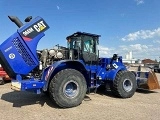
(144, 105)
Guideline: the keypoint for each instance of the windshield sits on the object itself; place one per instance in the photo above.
(85, 43)
(74, 43)
(89, 45)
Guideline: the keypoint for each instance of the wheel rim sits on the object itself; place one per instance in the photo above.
(127, 85)
(71, 89)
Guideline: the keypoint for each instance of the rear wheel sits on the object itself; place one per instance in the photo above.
(68, 88)
(124, 85)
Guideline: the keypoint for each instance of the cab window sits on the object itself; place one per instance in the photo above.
(89, 45)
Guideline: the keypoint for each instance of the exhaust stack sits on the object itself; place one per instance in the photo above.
(16, 21)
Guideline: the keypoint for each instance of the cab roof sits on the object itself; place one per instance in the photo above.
(82, 33)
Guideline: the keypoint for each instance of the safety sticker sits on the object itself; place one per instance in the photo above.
(12, 56)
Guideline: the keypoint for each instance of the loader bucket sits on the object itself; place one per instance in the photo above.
(146, 78)
(151, 83)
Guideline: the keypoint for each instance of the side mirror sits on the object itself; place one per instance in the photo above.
(115, 56)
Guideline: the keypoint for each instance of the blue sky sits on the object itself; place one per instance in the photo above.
(124, 25)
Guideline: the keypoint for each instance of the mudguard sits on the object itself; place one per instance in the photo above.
(117, 66)
(50, 71)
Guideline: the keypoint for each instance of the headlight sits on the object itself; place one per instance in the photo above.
(59, 55)
(52, 52)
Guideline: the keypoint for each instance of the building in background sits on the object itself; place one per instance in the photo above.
(129, 58)
(150, 63)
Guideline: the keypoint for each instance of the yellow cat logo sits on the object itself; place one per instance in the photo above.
(39, 26)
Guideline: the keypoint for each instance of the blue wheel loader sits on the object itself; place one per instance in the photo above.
(65, 73)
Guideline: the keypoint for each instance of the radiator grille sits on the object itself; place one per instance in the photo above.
(23, 52)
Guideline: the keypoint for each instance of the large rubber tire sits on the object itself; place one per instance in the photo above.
(68, 88)
(124, 85)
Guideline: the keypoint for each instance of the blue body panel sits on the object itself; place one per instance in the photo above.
(20, 61)
(18, 52)
(33, 41)
(102, 71)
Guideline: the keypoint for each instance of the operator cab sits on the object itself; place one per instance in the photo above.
(83, 46)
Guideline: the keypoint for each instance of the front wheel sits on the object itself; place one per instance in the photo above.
(68, 88)
(124, 85)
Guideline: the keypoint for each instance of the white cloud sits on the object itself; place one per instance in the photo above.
(150, 45)
(156, 41)
(134, 47)
(140, 51)
(138, 47)
(105, 51)
(124, 48)
(58, 7)
(139, 2)
(142, 34)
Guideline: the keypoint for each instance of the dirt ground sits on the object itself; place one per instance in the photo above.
(144, 105)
